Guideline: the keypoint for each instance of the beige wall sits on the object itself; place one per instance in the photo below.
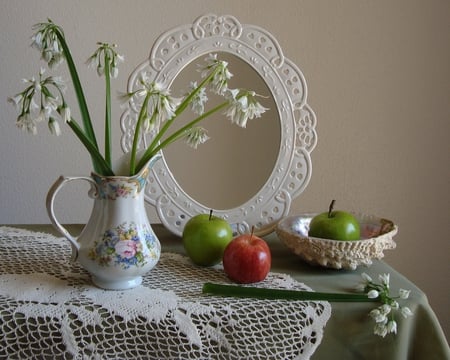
(379, 81)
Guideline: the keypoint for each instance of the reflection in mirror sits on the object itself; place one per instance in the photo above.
(236, 162)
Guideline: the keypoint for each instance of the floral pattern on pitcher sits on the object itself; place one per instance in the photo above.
(113, 188)
(123, 247)
(120, 190)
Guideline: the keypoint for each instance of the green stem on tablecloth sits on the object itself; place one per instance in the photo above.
(281, 294)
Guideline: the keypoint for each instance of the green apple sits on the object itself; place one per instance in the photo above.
(335, 225)
(205, 238)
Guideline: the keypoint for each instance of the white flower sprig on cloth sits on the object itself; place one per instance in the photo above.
(156, 108)
(384, 315)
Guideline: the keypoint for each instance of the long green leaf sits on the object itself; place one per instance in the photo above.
(99, 162)
(87, 123)
(107, 110)
(137, 134)
(281, 294)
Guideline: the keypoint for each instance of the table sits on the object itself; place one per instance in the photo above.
(348, 333)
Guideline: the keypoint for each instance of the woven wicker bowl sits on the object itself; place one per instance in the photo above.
(376, 236)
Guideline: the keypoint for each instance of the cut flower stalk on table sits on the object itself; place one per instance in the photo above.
(383, 315)
(43, 100)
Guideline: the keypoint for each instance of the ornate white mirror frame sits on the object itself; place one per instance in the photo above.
(173, 51)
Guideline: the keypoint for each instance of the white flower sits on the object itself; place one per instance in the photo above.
(50, 104)
(36, 84)
(124, 98)
(255, 109)
(160, 105)
(54, 127)
(114, 68)
(103, 56)
(389, 305)
(380, 329)
(16, 100)
(32, 113)
(378, 316)
(406, 311)
(37, 40)
(57, 81)
(211, 62)
(163, 105)
(64, 112)
(26, 123)
(373, 294)
(100, 70)
(149, 124)
(243, 106)
(384, 279)
(211, 59)
(144, 79)
(114, 72)
(43, 115)
(160, 102)
(32, 105)
(394, 305)
(219, 82)
(237, 112)
(385, 309)
(47, 42)
(392, 327)
(92, 60)
(199, 100)
(404, 294)
(366, 280)
(196, 136)
(366, 277)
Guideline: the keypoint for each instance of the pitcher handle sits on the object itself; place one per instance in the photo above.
(59, 183)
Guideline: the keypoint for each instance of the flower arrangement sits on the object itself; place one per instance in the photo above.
(383, 315)
(43, 100)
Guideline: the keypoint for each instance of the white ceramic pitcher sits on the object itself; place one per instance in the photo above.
(117, 246)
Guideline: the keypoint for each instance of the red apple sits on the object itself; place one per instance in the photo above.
(247, 259)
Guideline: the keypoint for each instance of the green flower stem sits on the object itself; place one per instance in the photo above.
(149, 153)
(281, 294)
(137, 134)
(178, 111)
(102, 167)
(79, 93)
(107, 110)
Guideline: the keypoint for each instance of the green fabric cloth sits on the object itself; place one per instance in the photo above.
(349, 332)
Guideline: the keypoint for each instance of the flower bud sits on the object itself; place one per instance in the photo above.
(54, 127)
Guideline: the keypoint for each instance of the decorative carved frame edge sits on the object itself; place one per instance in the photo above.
(172, 51)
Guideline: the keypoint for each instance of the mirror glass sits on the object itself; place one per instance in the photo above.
(235, 163)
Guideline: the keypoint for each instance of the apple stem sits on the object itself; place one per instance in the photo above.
(330, 209)
(253, 230)
(210, 214)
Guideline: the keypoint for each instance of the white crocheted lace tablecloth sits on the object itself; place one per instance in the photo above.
(49, 309)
